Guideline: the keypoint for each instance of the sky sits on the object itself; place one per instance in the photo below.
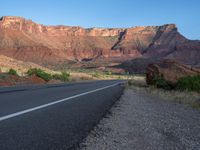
(109, 13)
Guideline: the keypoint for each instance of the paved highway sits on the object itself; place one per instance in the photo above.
(55, 116)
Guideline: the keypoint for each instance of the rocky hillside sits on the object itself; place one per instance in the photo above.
(167, 43)
(21, 67)
(28, 41)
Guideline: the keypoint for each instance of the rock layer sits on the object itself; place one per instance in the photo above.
(26, 40)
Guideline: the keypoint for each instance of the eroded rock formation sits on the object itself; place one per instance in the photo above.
(170, 70)
(26, 40)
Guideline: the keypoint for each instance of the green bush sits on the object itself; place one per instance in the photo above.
(160, 82)
(109, 73)
(190, 83)
(40, 73)
(64, 76)
(96, 75)
(12, 72)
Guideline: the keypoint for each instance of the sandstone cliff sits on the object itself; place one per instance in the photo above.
(26, 40)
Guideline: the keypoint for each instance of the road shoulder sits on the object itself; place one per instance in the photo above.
(138, 121)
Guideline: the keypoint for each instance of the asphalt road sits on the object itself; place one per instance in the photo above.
(53, 117)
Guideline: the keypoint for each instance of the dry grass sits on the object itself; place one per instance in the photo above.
(21, 67)
(78, 76)
(184, 97)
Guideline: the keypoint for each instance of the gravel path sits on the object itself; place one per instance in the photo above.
(140, 122)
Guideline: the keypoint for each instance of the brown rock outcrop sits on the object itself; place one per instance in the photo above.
(170, 70)
(28, 41)
(167, 43)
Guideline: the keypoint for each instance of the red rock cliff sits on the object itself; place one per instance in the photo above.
(26, 40)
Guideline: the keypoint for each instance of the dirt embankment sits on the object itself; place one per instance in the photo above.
(13, 80)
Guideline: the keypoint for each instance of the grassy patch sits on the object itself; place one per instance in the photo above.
(185, 97)
(40, 73)
(190, 83)
(96, 74)
(160, 82)
(64, 76)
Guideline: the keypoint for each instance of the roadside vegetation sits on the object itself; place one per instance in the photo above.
(64, 76)
(40, 73)
(185, 91)
(12, 72)
(9, 77)
(187, 83)
(190, 83)
(12, 77)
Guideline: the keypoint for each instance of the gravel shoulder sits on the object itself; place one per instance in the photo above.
(140, 121)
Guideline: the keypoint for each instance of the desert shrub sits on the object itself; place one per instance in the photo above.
(109, 73)
(12, 72)
(40, 73)
(160, 82)
(190, 83)
(96, 75)
(64, 76)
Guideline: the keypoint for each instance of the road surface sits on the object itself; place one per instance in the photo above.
(53, 117)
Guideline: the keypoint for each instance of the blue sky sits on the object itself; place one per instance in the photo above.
(109, 13)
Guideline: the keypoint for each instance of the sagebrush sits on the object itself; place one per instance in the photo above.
(40, 73)
(64, 76)
(190, 83)
(12, 72)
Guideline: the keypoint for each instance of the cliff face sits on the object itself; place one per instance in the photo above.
(21, 24)
(165, 41)
(26, 40)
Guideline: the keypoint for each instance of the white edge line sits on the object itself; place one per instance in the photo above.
(53, 103)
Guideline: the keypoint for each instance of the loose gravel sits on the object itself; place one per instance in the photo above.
(139, 121)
